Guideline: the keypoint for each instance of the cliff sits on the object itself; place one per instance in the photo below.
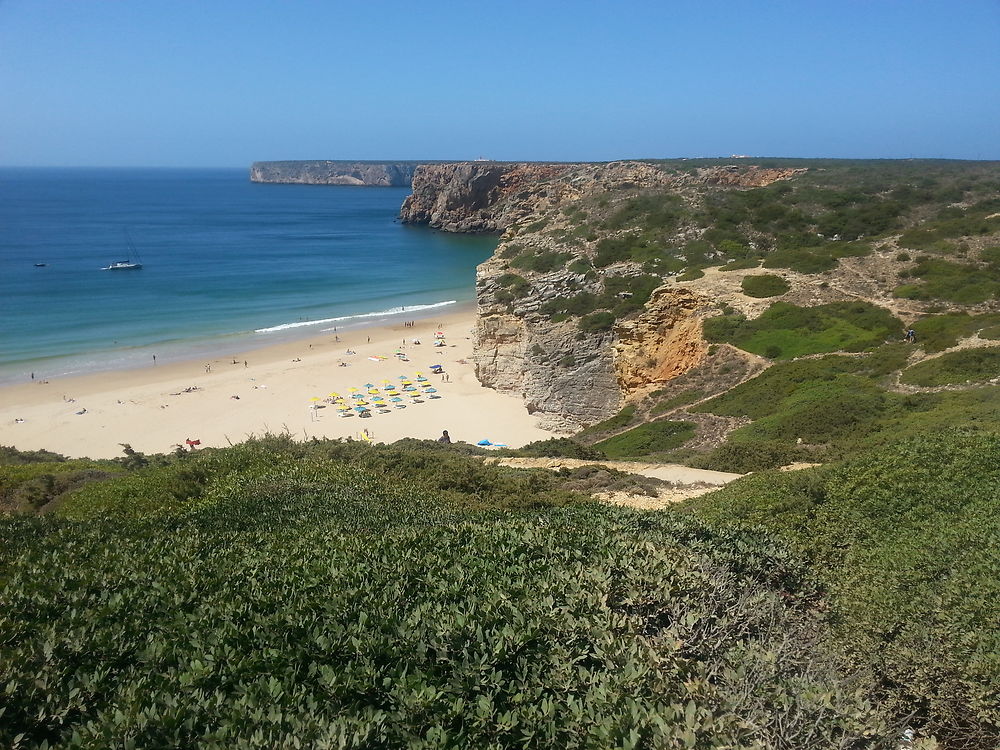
(479, 196)
(369, 173)
(576, 339)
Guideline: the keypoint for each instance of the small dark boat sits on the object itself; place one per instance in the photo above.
(40, 265)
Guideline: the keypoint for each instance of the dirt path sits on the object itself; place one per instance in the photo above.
(684, 482)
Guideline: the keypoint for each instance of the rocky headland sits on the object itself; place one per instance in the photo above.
(569, 375)
(360, 173)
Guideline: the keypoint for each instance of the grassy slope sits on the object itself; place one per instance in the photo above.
(290, 592)
(907, 540)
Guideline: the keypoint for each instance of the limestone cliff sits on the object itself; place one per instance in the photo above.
(369, 173)
(553, 218)
(478, 196)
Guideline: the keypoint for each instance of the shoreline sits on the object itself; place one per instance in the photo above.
(199, 347)
(230, 396)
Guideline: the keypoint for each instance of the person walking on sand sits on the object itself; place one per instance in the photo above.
(445, 437)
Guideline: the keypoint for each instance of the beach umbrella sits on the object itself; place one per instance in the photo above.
(397, 399)
(360, 409)
(431, 390)
(352, 390)
(385, 381)
(333, 394)
(369, 385)
(315, 398)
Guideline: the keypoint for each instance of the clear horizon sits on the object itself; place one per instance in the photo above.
(188, 84)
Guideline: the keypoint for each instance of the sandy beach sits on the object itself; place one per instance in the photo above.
(223, 400)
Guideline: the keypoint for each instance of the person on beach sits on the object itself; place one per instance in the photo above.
(445, 437)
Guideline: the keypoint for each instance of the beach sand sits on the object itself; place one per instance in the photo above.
(152, 409)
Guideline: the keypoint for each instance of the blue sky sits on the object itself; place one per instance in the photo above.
(227, 82)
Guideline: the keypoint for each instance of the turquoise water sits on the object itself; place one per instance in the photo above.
(228, 265)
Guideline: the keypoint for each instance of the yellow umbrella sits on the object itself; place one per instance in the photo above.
(315, 398)
(334, 394)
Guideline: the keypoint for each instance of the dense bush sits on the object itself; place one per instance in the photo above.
(741, 458)
(597, 322)
(938, 332)
(309, 602)
(905, 538)
(955, 367)
(618, 422)
(558, 448)
(764, 285)
(655, 211)
(956, 282)
(646, 439)
(786, 330)
(30, 487)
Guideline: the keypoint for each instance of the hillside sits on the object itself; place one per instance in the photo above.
(732, 318)
(629, 285)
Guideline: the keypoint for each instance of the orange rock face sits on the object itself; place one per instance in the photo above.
(664, 341)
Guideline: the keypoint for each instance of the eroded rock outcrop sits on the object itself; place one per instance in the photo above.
(361, 173)
(746, 177)
(478, 196)
(662, 342)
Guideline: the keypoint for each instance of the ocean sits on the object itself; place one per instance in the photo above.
(228, 265)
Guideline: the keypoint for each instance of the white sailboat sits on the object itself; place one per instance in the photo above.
(126, 265)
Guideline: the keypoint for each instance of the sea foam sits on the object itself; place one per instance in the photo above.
(341, 319)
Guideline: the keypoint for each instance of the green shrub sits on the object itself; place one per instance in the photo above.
(646, 439)
(597, 322)
(804, 260)
(938, 332)
(558, 448)
(30, 486)
(691, 274)
(741, 458)
(737, 265)
(681, 399)
(956, 282)
(795, 331)
(955, 367)
(321, 604)
(904, 539)
(619, 421)
(764, 285)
